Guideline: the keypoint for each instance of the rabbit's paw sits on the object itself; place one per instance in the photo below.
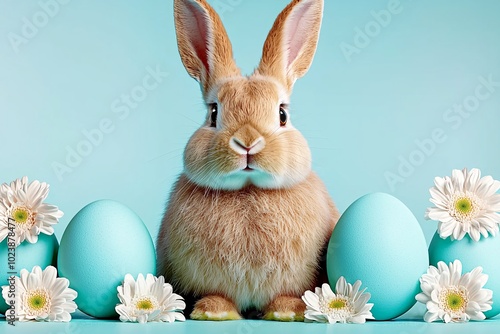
(215, 308)
(285, 308)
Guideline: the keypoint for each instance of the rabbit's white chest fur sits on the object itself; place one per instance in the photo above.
(249, 245)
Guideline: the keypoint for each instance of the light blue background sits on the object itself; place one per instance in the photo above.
(85, 325)
(361, 114)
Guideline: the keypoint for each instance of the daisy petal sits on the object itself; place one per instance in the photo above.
(21, 205)
(43, 296)
(465, 204)
(347, 304)
(452, 297)
(148, 299)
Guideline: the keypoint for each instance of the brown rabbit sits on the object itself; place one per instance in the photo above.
(247, 219)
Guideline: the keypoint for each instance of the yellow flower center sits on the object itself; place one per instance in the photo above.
(144, 304)
(339, 308)
(464, 205)
(337, 304)
(20, 215)
(454, 300)
(37, 301)
(23, 217)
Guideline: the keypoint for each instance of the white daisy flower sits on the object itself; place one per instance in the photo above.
(42, 296)
(148, 299)
(21, 206)
(347, 305)
(465, 203)
(451, 297)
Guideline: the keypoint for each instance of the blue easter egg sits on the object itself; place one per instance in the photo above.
(379, 241)
(102, 243)
(484, 253)
(43, 253)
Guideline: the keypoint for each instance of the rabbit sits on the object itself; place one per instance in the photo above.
(247, 220)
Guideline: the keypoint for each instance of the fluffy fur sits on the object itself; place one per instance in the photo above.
(247, 220)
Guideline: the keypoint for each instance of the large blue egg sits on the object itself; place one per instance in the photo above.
(484, 253)
(380, 242)
(43, 253)
(102, 243)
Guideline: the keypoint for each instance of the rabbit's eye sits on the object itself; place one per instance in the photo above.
(283, 116)
(213, 115)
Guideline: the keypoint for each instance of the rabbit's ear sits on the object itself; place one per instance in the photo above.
(290, 46)
(203, 43)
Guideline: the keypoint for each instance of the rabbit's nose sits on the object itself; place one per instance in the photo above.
(241, 148)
